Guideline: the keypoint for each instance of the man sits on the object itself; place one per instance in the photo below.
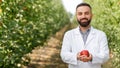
(84, 37)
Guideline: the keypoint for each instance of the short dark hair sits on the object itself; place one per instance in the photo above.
(83, 4)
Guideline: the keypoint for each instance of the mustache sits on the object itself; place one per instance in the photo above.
(84, 19)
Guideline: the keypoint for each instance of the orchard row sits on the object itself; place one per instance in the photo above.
(25, 24)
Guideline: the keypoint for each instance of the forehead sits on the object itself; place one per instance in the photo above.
(83, 9)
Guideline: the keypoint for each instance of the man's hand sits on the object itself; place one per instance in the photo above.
(84, 58)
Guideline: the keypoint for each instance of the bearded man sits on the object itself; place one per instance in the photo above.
(84, 38)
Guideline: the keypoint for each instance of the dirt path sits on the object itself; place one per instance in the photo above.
(48, 56)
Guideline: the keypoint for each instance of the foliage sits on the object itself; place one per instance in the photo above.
(106, 17)
(25, 24)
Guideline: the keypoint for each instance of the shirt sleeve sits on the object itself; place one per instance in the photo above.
(66, 54)
(103, 55)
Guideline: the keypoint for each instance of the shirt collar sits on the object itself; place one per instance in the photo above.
(87, 31)
(78, 30)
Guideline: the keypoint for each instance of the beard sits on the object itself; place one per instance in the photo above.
(84, 24)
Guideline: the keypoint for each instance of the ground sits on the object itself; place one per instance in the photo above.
(48, 56)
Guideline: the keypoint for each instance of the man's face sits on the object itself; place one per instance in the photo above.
(84, 15)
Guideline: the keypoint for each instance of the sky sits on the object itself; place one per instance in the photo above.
(70, 5)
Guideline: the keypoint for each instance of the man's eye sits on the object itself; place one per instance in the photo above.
(79, 13)
(87, 13)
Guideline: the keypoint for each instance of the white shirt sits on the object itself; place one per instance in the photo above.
(96, 44)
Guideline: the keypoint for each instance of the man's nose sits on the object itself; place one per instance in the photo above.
(83, 16)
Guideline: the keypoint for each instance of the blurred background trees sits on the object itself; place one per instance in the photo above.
(25, 24)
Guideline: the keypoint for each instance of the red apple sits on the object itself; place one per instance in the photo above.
(84, 52)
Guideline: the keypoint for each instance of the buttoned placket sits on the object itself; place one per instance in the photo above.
(84, 36)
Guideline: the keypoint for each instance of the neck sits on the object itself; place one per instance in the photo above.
(83, 29)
